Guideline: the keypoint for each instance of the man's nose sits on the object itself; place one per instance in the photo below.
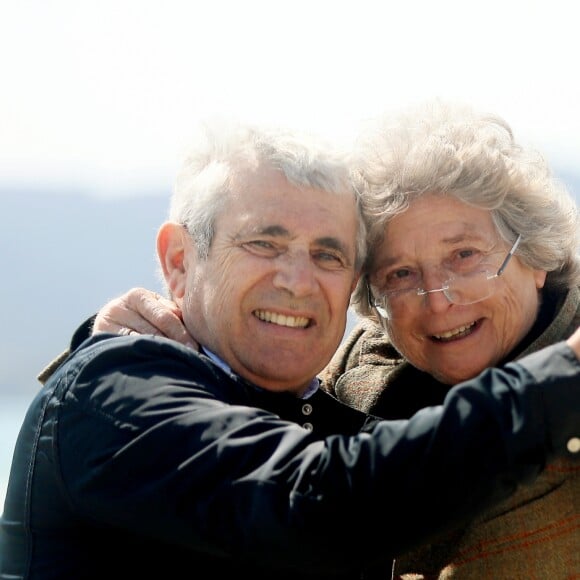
(296, 273)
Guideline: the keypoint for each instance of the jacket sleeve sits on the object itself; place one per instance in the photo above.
(189, 468)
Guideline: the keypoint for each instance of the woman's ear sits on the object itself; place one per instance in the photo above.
(173, 242)
(540, 278)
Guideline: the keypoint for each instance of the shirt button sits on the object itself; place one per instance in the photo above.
(308, 426)
(306, 409)
(573, 444)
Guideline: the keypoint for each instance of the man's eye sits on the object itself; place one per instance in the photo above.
(329, 258)
(260, 247)
(260, 244)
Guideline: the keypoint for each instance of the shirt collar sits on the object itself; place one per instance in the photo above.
(312, 388)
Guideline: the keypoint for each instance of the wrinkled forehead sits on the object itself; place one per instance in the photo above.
(438, 217)
(266, 202)
(418, 242)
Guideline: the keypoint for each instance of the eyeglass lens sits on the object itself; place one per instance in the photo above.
(463, 290)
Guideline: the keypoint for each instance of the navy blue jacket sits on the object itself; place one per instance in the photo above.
(140, 458)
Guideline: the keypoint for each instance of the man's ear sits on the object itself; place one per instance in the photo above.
(173, 244)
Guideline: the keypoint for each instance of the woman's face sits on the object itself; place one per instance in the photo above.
(437, 238)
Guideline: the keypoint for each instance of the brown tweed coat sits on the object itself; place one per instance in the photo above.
(533, 535)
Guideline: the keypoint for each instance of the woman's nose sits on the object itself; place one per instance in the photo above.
(434, 294)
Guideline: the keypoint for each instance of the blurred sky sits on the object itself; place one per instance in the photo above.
(104, 93)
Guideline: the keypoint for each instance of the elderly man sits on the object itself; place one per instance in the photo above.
(143, 458)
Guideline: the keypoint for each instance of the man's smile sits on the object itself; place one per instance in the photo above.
(281, 319)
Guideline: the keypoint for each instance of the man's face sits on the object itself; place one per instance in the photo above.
(272, 296)
(435, 238)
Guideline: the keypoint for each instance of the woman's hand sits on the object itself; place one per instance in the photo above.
(140, 311)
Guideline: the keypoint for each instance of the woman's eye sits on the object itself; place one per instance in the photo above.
(467, 258)
(402, 278)
(400, 275)
(464, 254)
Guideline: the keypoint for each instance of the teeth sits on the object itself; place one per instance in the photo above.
(281, 320)
(453, 333)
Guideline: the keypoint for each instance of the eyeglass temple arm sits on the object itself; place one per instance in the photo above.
(509, 256)
(370, 296)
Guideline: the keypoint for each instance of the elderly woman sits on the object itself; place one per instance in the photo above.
(473, 263)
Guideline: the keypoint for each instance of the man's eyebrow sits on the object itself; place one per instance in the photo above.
(333, 244)
(329, 242)
(273, 230)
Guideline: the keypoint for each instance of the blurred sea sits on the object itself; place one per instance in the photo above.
(12, 410)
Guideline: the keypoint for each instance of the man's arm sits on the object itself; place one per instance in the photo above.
(266, 487)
